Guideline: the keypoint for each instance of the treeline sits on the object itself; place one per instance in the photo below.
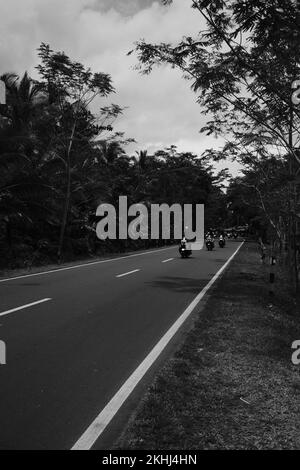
(244, 66)
(259, 198)
(60, 158)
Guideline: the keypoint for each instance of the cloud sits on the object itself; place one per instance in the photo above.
(162, 108)
(125, 7)
(25, 24)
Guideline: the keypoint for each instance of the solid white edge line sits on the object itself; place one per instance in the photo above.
(84, 265)
(167, 260)
(23, 306)
(94, 431)
(127, 274)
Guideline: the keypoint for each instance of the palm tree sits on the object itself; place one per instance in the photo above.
(24, 97)
(110, 151)
(22, 187)
(141, 160)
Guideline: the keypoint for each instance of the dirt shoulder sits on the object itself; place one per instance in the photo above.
(232, 384)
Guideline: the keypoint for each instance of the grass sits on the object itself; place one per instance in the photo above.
(232, 384)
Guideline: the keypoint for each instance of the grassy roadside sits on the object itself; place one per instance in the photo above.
(232, 384)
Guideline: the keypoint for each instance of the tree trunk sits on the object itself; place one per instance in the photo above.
(292, 235)
(67, 198)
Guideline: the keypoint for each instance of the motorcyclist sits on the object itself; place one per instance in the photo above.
(185, 247)
(209, 239)
(209, 236)
(222, 238)
(183, 242)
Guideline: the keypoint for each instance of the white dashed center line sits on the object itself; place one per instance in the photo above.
(127, 274)
(96, 428)
(167, 260)
(23, 306)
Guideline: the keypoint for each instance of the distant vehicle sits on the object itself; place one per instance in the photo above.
(222, 242)
(184, 250)
(210, 244)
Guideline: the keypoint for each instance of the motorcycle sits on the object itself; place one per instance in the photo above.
(221, 243)
(184, 251)
(210, 245)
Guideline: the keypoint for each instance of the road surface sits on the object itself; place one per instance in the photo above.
(74, 336)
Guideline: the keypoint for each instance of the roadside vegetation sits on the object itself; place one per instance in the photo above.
(232, 383)
(244, 68)
(60, 158)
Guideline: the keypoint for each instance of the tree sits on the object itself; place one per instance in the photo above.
(71, 89)
(242, 67)
(59, 159)
(22, 183)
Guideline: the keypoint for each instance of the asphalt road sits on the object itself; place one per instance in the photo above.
(69, 355)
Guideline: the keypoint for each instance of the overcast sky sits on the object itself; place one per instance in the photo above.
(161, 107)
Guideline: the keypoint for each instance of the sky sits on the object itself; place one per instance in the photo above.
(161, 109)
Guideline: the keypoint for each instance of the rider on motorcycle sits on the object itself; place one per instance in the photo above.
(222, 239)
(209, 236)
(185, 249)
(183, 241)
(209, 240)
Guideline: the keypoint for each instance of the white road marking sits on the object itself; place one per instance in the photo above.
(23, 306)
(167, 260)
(245, 401)
(94, 431)
(85, 264)
(127, 274)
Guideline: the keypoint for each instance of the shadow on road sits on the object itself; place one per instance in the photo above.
(179, 284)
